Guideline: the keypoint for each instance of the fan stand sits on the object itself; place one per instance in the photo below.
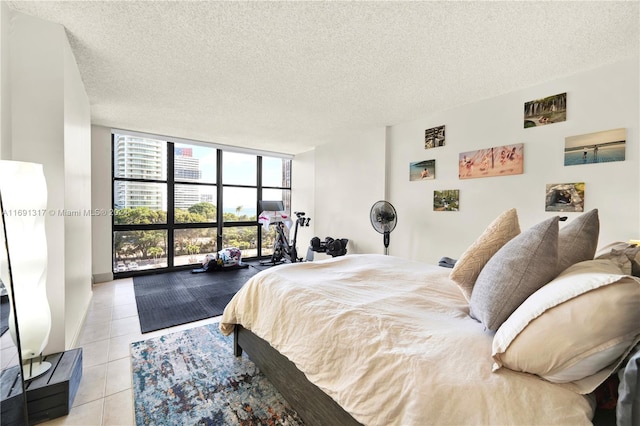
(385, 239)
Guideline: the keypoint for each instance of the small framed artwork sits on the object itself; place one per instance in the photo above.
(599, 147)
(564, 197)
(434, 137)
(497, 161)
(422, 170)
(549, 110)
(446, 201)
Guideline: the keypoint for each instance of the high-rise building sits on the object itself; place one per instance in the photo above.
(139, 158)
(186, 169)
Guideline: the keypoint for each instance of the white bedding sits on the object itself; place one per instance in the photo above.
(391, 341)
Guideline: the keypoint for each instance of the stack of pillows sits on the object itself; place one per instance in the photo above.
(555, 310)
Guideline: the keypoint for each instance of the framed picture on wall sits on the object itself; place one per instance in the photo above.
(549, 110)
(434, 137)
(599, 147)
(447, 200)
(422, 170)
(497, 161)
(564, 197)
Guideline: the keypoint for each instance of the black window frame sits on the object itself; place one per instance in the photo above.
(170, 226)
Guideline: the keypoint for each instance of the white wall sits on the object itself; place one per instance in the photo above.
(5, 81)
(336, 184)
(50, 122)
(601, 99)
(349, 178)
(77, 179)
(303, 196)
(102, 265)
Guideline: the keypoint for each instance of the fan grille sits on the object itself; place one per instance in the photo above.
(383, 217)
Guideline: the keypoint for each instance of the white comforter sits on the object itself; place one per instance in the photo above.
(392, 342)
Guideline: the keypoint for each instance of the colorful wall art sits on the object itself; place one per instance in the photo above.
(446, 201)
(434, 137)
(549, 110)
(497, 161)
(422, 170)
(599, 147)
(565, 197)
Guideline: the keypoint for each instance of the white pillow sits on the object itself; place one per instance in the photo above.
(574, 330)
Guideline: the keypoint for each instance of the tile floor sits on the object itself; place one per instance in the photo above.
(105, 396)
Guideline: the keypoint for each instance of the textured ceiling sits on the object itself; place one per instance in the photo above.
(286, 76)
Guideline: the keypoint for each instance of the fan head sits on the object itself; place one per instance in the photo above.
(383, 217)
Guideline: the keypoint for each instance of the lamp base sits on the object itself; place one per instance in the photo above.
(32, 369)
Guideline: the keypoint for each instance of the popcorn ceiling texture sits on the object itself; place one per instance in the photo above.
(287, 76)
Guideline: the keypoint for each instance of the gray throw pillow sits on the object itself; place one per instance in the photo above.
(515, 272)
(578, 240)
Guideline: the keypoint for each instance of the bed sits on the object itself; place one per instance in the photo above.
(382, 340)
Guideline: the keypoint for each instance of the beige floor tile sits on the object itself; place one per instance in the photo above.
(103, 289)
(124, 293)
(93, 333)
(102, 297)
(92, 384)
(119, 347)
(9, 353)
(118, 409)
(6, 341)
(9, 357)
(118, 376)
(95, 353)
(98, 316)
(89, 414)
(124, 310)
(123, 326)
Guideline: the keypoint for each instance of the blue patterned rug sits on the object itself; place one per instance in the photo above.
(192, 378)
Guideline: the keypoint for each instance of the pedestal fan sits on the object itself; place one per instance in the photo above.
(384, 219)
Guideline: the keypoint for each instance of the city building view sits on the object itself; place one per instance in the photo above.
(145, 236)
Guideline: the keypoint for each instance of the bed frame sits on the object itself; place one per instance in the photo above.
(313, 405)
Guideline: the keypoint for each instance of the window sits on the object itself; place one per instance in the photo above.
(192, 245)
(176, 202)
(239, 169)
(243, 237)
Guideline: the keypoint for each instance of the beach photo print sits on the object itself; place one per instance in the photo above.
(598, 147)
(422, 170)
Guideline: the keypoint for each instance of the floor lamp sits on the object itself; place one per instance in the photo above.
(23, 198)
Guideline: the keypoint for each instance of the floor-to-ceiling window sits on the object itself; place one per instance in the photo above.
(176, 202)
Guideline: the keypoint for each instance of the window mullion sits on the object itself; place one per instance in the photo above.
(170, 203)
(219, 210)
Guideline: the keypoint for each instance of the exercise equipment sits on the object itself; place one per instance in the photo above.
(330, 246)
(283, 249)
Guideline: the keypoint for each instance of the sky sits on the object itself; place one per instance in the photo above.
(239, 169)
(594, 138)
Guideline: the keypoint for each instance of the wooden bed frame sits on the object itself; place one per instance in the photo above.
(313, 405)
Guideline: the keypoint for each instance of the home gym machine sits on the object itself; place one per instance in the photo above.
(283, 249)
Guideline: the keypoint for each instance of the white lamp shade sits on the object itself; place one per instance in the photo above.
(24, 201)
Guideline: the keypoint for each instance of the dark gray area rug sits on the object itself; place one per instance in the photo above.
(174, 298)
